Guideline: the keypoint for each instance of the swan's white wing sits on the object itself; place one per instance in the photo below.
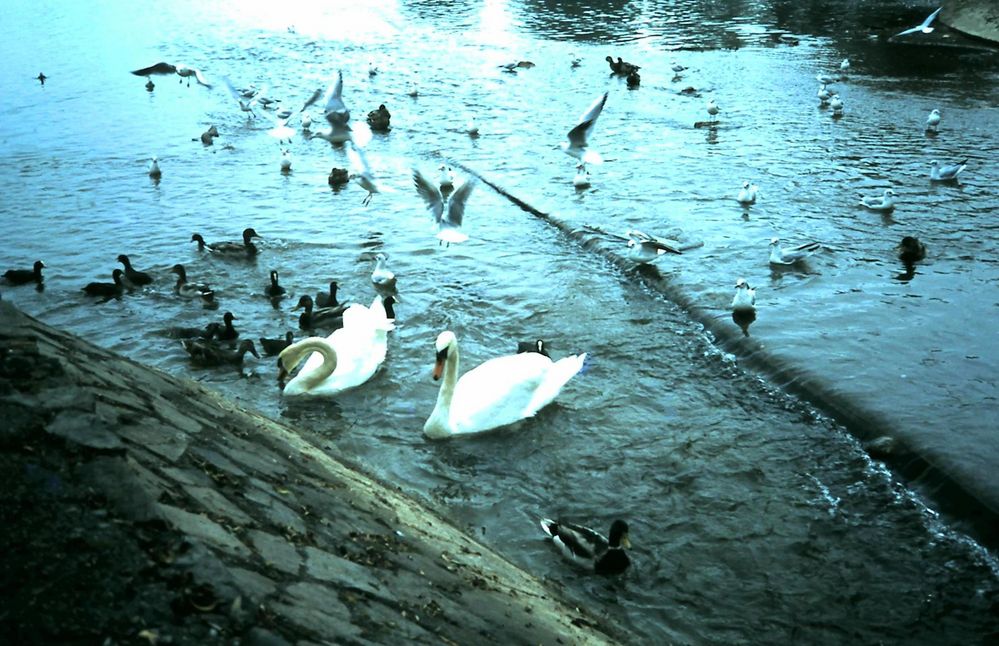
(456, 204)
(497, 392)
(430, 193)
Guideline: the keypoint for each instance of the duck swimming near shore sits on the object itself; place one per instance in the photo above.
(107, 290)
(185, 289)
(589, 548)
(23, 276)
(132, 276)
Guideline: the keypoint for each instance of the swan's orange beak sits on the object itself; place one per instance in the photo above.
(439, 365)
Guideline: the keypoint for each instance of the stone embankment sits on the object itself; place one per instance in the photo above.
(978, 18)
(140, 508)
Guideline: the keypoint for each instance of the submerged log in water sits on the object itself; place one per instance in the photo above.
(144, 505)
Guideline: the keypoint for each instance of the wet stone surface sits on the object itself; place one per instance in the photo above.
(155, 512)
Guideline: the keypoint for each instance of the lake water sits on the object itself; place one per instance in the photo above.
(754, 517)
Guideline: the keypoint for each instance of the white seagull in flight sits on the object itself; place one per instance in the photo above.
(923, 27)
(448, 221)
(576, 144)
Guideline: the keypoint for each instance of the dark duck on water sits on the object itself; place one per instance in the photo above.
(587, 547)
(107, 290)
(246, 248)
(23, 276)
(133, 276)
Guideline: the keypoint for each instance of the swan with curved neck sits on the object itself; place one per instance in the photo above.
(499, 392)
(345, 359)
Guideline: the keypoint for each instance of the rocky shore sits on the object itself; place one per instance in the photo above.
(139, 508)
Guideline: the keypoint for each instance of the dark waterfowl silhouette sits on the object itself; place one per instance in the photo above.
(22, 276)
(538, 346)
(108, 290)
(246, 248)
(313, 318)
(210, 354)
(379, 119)
(133, 276)
(274, 290)
(272, 347)
(228, 332)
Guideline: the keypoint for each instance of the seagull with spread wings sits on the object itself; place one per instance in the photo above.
(448, 220)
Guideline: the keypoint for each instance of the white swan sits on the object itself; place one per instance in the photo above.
(343, 360)
(498, 392)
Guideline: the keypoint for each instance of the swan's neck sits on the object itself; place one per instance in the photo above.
(304, 349)
(439, 424)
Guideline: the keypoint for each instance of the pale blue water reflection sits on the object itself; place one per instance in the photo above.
(755, 520)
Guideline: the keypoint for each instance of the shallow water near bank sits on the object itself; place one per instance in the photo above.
(754, 518)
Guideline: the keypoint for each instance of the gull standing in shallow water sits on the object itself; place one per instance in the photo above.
(576, 146)
(780, 256)
(947, 173)
(885, 203)
(745, 297)
(933, 120)
(713, 109)
(448, 221)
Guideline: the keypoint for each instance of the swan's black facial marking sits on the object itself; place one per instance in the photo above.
(439, 365)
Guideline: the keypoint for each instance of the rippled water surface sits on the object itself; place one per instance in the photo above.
(754, 518)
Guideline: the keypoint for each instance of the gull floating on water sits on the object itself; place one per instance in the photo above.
(933, 120)
(747, 194)
(744, 298)
(154, 168)
(825, 79)
(781, 256)
(677, 68)
(381, 275)
(184, 71)
(884, 203)
(823, 95)
(285, 160)
(946, 173)
(643, 248)
(362, 171)
(576, 144)
(836, 104)
(844, 66)
(448, 220)
(582, 178)
(472, 128)
(923, 26)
